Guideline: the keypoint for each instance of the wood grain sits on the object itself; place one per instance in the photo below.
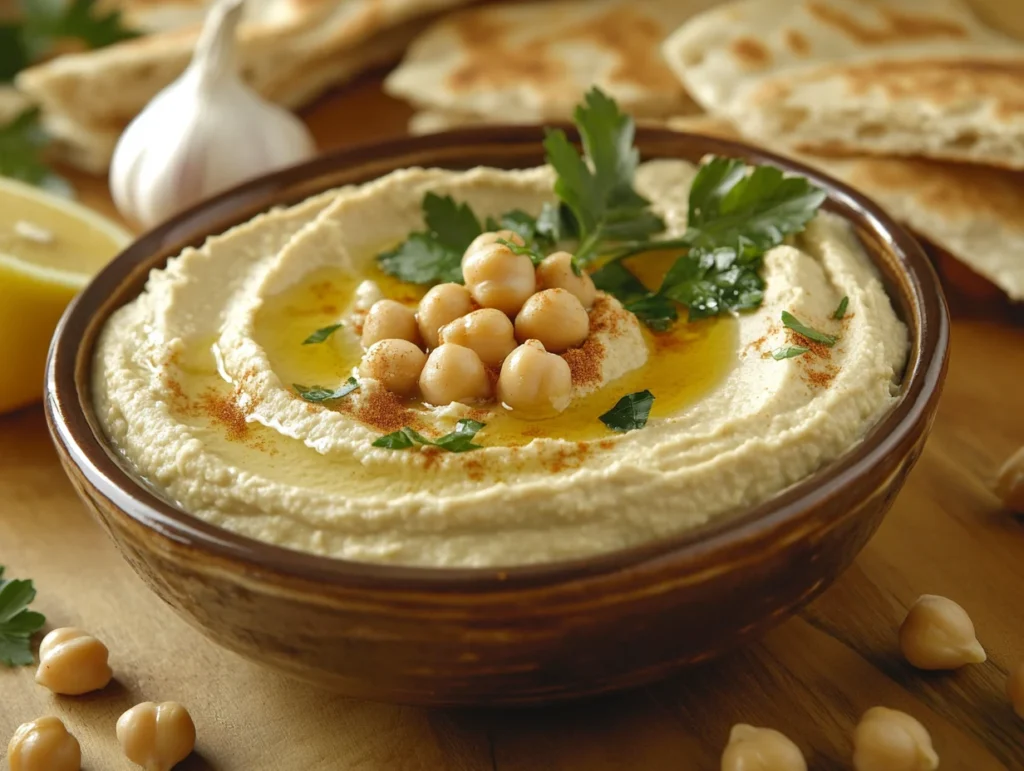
(811, 678)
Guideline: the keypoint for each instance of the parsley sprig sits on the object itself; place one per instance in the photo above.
(736, 214)
(459, 440)
(45, 24)
(17, 623)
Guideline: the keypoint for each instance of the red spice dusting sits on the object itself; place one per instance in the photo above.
(569, 457)
(384, 410)
(605, 317)
(606, 444)
(474, 469)
(224, 411)
(585, 362)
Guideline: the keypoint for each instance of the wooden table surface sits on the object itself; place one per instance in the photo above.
(811, 678)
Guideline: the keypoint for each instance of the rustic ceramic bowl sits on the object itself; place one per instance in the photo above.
(486, 636)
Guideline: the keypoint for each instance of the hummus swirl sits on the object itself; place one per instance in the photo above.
(189, 389)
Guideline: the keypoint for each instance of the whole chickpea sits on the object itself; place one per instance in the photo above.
(156, 736)
(1015, 689)
(534, 382)
(486, 239)
(390, 320)
(499, 278)
(487, 331)
(938, 634)
(454, 373)
(73, 662)
(555, 272)
(44, 745)
(396, 364)
(556, 318)
(761, 749)
(889, 740)
(1010, 486)
(441, 305)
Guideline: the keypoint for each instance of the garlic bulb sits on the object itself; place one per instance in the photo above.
(203, 133)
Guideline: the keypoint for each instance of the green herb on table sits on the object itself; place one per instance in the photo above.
(630, 412)
(792, 322)
(788, 352)
(459, 440)
(319, 394)
(22, 146)
(322, 334)
(17, 623)
(47, 23)
(841, 310)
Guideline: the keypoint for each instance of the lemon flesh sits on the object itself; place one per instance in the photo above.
(49, 249)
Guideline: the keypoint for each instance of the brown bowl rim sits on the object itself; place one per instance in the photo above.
(76, 433)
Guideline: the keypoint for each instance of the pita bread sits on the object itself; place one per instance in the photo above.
(972, 212)
(91, 149)
(900, 77)
(289, 50)
(529, 62)
(432, 121)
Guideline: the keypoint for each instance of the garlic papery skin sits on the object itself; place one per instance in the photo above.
(204, 133)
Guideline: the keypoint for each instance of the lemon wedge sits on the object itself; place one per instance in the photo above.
(49, 249)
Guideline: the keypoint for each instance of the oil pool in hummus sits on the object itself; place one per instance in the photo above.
(194, 383)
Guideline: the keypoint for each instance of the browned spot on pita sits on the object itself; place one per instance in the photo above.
(953, 190)
(492, 61)
(897, 26)
(797, 42)
(751, 53)
(935, 81)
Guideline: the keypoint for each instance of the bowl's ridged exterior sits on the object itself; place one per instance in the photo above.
(525, 635)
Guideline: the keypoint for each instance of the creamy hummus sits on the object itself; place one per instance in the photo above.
(194, 385)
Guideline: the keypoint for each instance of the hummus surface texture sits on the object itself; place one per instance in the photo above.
(194, 384)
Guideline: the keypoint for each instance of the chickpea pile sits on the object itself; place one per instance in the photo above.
(509, 317)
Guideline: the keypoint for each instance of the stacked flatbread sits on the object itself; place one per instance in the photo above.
(531, 62)
(924, 102)
(289, 50)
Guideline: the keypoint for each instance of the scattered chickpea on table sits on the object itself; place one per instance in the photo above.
(938, 634)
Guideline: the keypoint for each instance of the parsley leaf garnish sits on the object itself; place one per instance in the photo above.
(788, 352)
(736, 213)
(17, 624)
(729, 201)
(434, 255)
(841, 310)
(459, 440)
(597, 187)
(629, 412)
(532, 253)
(792, 322)
(537, 235)
(22, 144)
(322, 334)
(319, 394)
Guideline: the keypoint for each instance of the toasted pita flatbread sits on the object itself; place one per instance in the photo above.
(90, 148)
(289, 50)
(972, 212)
(900, 77)
(529, 62)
